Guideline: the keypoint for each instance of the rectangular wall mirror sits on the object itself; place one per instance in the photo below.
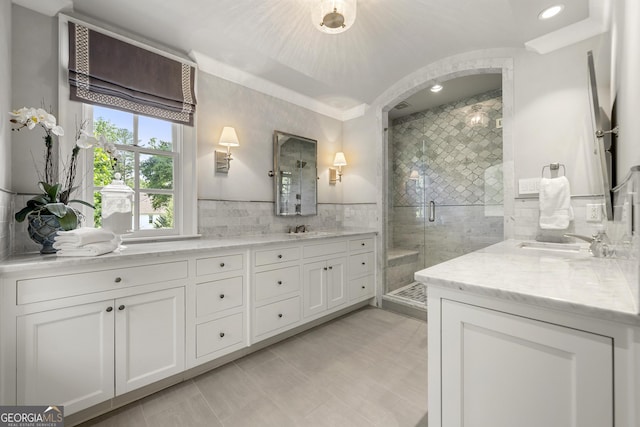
(296, 174)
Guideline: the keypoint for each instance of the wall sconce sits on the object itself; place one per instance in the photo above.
(227, 139)
(336, 175)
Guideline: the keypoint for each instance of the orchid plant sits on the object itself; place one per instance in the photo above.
(56, 196)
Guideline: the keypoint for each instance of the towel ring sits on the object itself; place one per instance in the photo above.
(554, 167)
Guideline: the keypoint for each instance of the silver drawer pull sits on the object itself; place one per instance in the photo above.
(121, 308)
(363, 263)
(109, 309)
(280, 256)
(118, 279)
(221, 296)
(221, 264)
(221, 334)
(280, 315)
(362, 244)
(279, 282)
(364, 287)
(330, 267)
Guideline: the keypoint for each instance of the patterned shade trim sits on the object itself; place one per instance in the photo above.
(107, 71)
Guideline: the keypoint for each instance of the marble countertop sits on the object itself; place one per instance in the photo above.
(574, 282)
(147, 251)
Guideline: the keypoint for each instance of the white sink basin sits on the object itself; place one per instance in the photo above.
(311, 234)
(555, 247)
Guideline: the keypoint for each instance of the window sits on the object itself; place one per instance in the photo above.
(150, 159)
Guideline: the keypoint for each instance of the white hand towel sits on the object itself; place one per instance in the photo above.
(82, 236)
(555, 203)
(90, 249)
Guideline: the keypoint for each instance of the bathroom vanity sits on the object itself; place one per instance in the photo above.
(99, 332)
(533, 335)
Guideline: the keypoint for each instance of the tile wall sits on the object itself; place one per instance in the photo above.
(230, 218)
(459, 168)
(6, 214)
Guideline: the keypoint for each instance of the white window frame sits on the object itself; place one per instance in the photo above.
(175, 154)
(71, 113)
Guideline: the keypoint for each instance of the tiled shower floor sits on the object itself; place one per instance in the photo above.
(413, 294)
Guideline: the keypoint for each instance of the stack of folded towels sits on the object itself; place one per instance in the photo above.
(85, 241)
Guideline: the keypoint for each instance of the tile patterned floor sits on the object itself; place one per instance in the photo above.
(415, 292)
(368, 368)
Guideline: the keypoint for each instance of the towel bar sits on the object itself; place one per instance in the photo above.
(554, 167)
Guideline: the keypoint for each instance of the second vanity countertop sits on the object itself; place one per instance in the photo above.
(574, 282)
(147, 251)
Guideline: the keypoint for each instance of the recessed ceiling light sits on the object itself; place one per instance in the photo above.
(550, 12)
(436, 88)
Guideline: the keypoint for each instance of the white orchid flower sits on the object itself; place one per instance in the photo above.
(86, 140)
(57, 130)
(20, 116)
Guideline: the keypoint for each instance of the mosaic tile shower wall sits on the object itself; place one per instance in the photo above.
(437, 157)
(6, 216)
(457, 164)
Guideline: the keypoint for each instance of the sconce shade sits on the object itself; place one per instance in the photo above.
(229, 137)
(414, 175)
(340, 160)
(477, 117)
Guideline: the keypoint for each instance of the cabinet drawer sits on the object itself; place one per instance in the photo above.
(361, 264)
(219, 264)
(274, 256)
(48, 288)
(274, 316)
(277, 282)
(361, 245)
(219, 334)
(362, 287)
(331, 248)
(218, 295)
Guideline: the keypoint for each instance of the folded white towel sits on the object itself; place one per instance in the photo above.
(82, 236)
(555, 203)
(90, 249)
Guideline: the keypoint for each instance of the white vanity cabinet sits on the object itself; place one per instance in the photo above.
(325, 278)
(498, 368)
(276, 290)
(108, 333)
(361, 269)
(217, 307)
(499, 363)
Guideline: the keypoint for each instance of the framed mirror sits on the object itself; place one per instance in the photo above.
(296, 174)
(604, 141)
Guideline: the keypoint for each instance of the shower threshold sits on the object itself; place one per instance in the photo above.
(410, 299)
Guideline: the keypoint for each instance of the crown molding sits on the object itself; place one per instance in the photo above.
(48, 7)
(248, 80)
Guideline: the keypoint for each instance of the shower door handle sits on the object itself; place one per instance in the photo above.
(432, 211)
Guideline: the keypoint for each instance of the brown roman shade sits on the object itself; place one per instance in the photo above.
(106, 71)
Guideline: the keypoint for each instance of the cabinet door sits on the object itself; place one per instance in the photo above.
(65, 356)
(336, 282)
(502, 370)
(149, 338)
(314, 288)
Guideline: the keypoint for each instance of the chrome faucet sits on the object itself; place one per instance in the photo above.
(298, 229)
(598, 243)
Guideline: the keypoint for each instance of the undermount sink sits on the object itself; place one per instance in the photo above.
(310, 234)
(555, 247)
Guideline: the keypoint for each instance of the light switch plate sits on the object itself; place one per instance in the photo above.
(528, 186)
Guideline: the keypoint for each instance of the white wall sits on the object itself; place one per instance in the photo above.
(5, 95)
(552, 120)
(255, 116)
(359, 179)
(626, 78)
(34, 81)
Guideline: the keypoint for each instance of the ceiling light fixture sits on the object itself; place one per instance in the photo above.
(550, 12)
(477, 117)
(436, 88)
(333, 16)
